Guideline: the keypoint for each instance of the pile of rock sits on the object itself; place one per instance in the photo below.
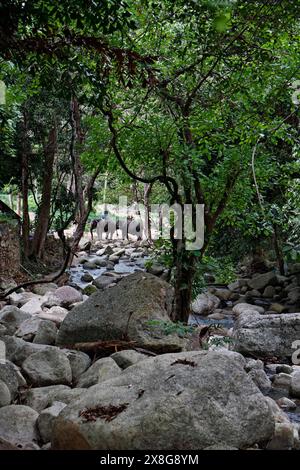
(276, 293)
(156, 394)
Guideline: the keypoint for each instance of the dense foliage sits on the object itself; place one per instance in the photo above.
(190, 99)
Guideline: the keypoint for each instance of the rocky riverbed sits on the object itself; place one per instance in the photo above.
(95, 364)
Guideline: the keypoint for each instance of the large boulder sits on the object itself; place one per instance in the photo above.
(125, 311)
(189, 400)
(263, 280)
(266, 335)
(18, 425)
(48, 367)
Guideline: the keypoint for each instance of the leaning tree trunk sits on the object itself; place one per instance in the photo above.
(45, 206)
(84, 213)
(83, 192)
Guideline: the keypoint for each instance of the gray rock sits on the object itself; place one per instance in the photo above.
(243, 307)
(283, 438)
(42, 289)
(204, 304)
(41, 397)
(189, 400)
(125, 310)
(282, 381)
(286, 404)
(90, 265)
(87, 277)
(79, 362)
(103, 369)
(12, 317)
(260, 379)
(295, 385)
(49, 367)
(102, 281)
(294, 295)
(46, 419)
(156, 269)
(263, 280)
(108, 250)
(269, 292)
(18, 425)
(5, 396)
(9, 376)
(17, 350)
(234, 286)
(266, 335)
(68, 295)
(128, 357)
(284, 368)
(101, 263)
(46, 333)
(223, 294)
(113, 258)
(253, 364)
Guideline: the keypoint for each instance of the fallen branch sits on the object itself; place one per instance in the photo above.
(41, 281)
(96, 346)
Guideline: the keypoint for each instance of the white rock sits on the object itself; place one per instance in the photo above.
(33, 306)
(56, 314)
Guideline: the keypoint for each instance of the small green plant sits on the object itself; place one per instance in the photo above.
(216, 341)
(222, 269)
(168, 327)
(162, 253)
(7, 219)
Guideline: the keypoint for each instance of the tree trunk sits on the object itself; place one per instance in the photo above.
(45, 206)
(25, 181)
(278, 250)
(184, 263)
(147, 191)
